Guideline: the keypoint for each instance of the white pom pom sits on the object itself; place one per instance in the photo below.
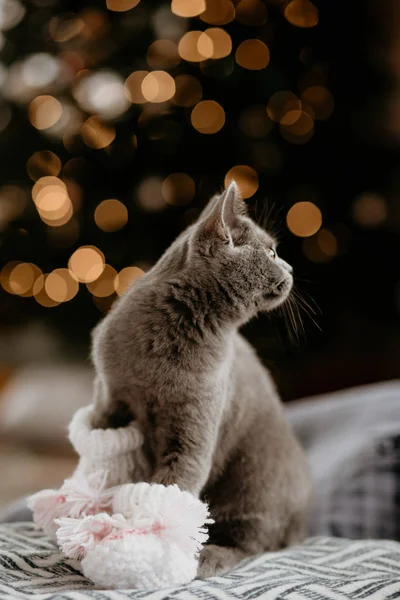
(87, 495)
(46, 506)
(77, 536)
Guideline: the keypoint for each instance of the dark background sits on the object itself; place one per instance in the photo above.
(354, 52)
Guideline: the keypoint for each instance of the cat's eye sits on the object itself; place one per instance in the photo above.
(271, 252)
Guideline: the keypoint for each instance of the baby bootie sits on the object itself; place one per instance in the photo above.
(151, 540)
(108, 458)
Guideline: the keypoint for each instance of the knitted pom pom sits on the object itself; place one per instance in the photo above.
(87, 495)
(46, 506)
(77, 536)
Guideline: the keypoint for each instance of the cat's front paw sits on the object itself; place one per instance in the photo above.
(216, 560)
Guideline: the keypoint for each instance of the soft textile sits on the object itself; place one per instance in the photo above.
(32, 568)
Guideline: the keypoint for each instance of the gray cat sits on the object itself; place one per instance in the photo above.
(169, 355)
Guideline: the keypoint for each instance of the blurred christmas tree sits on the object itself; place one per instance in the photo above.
(119, 120)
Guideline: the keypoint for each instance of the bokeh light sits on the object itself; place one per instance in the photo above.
(321, 247)
(208, 117)
(218, 12)
(126, 277)
(149, 194)
(178, 189)
(221, 41)
(304, 219)
(121, 5)
(163, 54)
(252, 55)
(96, 134)
(11, 13)
(87, 263)
(370, 210)
(252, 13)
(102, 93)
(281, 103)
(188, 90)
(40, 294)
(111, 215)
(106, 284)
(297, 127)
(133, 87)
(158, 86)
(52, 201)
(44, 111)
(195, 46)
(61, 286)
(188, 8)
(246, 179)
(41, 163)
(320, 99)
(301, 13)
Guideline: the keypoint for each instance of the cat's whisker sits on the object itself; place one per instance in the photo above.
(306, 307)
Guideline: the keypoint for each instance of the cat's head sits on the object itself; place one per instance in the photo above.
(241, 255)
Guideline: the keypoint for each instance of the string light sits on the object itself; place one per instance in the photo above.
(44, 112)
(178, 189)
(105, 285)
(87, 263)
(133, 87)
(304, 219)
(218, 12)
(188, 8)
(246, 179)
(252, 55)
(195, 46)
(111, 215)
(126, 278)
(208, 117)
(158, 86)
(61, 285)
(43, 162)
(221, 41)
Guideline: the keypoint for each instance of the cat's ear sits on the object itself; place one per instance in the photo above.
(222, 214)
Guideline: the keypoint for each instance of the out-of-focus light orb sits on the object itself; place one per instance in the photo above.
(297, 127)
(5, 275)
(126, 278)
(52, 201)
(280, 103)
(163, 54)
(195, 46)
(208, 117)
(304, 219)
(68, 124)
(188, 90)
(111, 215)
(370, 210)
(320, 99)
(43, 162)
(61, 285)
(40, 294)
(133, 87)
(44, 182)
(44, 112)
(102, 93)
(321, 247)
(105, 285)
(87, 263)
(65, 28)
(167, 25)
(252, 13)
(11, 13)
(253, 55)
(39, 70)
(13, 201)
(246, 179)
(301, 13)
(121, 5)
(254, 122)
(22, 277)
(188, 8)
(158, 86)
(178, 189)
(96, 134)
(149, 194)
(221, 41)
(218, 12)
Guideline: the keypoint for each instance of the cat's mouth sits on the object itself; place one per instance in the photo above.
(280, 288)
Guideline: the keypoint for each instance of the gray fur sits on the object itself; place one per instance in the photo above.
(169, 354)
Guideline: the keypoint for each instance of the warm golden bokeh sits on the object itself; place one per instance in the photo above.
(188, 8)
(61, 285)
(188, 90)
(218, 12)
(149, 195)
(52, 201)
(221, 41)
(208, 117)
(370, 210)
(320, 99)
(44, 112)
(163, 54)
(281, 103)
(304, 219)
(133, 87)
(252, 13)
(158, 86)
(40, 294)
(195, 46)
(87, 263)
(105, 285)
(96, 134)
(253, 55)
(22, 277)
(321, 247)
(43, 162)
(301, 13)
(246, 179)
(127, 277)
(297, 127)
(121, 5)
(111, 215)
(178, 189)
